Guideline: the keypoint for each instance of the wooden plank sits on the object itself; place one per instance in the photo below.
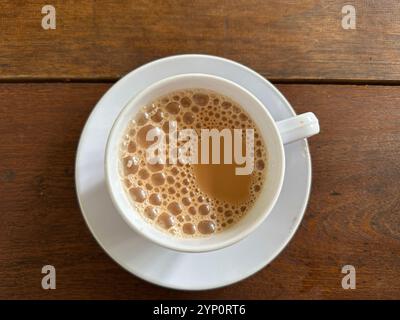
(352, 218)
(283, 40)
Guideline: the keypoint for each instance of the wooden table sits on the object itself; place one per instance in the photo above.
(51, 79)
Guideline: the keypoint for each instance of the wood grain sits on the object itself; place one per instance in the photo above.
(283, 40)
(353, 215)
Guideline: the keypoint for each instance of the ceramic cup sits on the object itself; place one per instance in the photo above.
(275, 135)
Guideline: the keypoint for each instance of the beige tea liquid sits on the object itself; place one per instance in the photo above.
(190, 200)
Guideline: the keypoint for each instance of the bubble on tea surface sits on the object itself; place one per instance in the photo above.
(158, 116)
(150, 212)
(184, 190)
(204, 209)
(174, 208)
(149, 186)
(189, 228)
(150, 108)
(127, 183)
(228, 213)
(226, 104)
(192, 211)
(170, 180)
(130, 165)
(206, 227)
(171, 190)
(142, 118)
(158, 178)
(236, 109)
(132, 132)
(260, 165)
(173, 107)
(143, 174)
(155, 199)
(186, 201)
(137, 194)
(132, 146)
(188, 118)
(165, 220)
(201, 99)
(186, 102)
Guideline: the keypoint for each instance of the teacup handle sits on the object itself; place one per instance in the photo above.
(299, 127)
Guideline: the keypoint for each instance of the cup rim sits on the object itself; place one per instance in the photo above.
(188, 248)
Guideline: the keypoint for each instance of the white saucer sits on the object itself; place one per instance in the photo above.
(187, 271)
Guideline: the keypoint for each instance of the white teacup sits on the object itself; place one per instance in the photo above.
(275, 135)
